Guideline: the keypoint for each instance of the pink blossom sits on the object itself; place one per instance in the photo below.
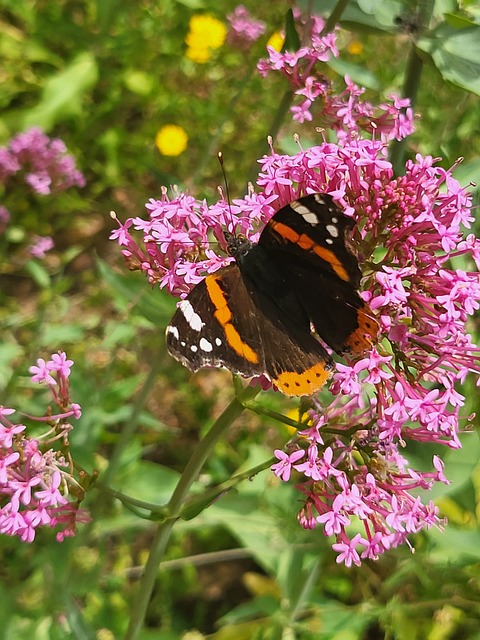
(34, 485)
(409, 233)
(283, 468)
(243, 28)
(48, 167)
(40, 246)
(347, 550)
(41, 372)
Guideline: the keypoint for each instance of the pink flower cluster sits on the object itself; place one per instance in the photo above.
(409, 230)
(420, 277)
(243, 28)
(35, 477)
(343, 112)
(178, 234)
(47, 165)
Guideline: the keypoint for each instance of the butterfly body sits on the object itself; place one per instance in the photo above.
(255, 315)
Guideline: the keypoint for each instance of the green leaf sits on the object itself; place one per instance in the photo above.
(292, 40)
(148, 482)
(156, 306)
(467, 173)
(466, 497)
(459, 465)
(456, 54)
(63, 93)
(455, 545)
(39, 274)
(364, 15)
(360, 75)
(192, 4)
(255, 529)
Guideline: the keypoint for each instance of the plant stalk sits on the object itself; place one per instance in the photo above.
(164, 529)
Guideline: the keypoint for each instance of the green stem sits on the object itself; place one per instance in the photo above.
(411, 85)
(164, 529)
(334, 17)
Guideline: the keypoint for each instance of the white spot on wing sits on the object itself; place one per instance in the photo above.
(173, 331)
(306, 213)
(194, 348)
(205, 345)
(193, 319)
(328, 240)
(319, 198)
(332, 230)
(218, 342)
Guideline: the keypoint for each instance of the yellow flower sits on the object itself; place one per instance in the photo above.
(171, 140)
(355, 47)
(276, 41)
(199, 54)
(205, 33)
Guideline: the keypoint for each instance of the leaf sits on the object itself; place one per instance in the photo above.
(456, 54)
(292, 40)
(459, 465)
(455, 545)
(364, 15)
(360, 75)
(192, 4)
(255, 529)
(39, 274)
(467, 173)
(149, 482)
(63, 93)
(152, 304)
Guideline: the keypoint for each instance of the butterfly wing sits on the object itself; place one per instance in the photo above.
(307, 242)
(224, 322)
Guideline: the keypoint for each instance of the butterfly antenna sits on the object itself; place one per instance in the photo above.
(227, 190)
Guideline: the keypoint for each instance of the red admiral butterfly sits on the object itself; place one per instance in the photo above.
(255, 315)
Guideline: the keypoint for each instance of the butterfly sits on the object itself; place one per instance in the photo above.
(255, 316)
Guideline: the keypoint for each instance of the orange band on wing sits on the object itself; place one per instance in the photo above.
(223, 316)
(365, 335)
(307, 244)
(306, 383)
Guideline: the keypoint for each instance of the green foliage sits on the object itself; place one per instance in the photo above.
(104, 76)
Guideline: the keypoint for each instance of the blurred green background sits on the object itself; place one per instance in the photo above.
(106, 76)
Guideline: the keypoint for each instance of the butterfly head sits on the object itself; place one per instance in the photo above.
(237, 245)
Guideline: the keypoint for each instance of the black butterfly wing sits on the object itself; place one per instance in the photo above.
(225, 322)
(306, 240)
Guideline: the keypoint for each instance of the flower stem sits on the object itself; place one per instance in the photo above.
(164, 529)
(410, 87)
(334, 17)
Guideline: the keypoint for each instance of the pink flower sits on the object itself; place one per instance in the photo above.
(410, 229)
(41, 372)
(283, 468)
(47, 166)
(40, 246)
(347, 550)
(33, 481)
(243, 28)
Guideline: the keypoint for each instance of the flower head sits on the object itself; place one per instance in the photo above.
(243, 28)
(205, 34)
(34, 475)
(344, 111)
(409, 232)
(386, 397)
(171, 140)
(47, 165)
